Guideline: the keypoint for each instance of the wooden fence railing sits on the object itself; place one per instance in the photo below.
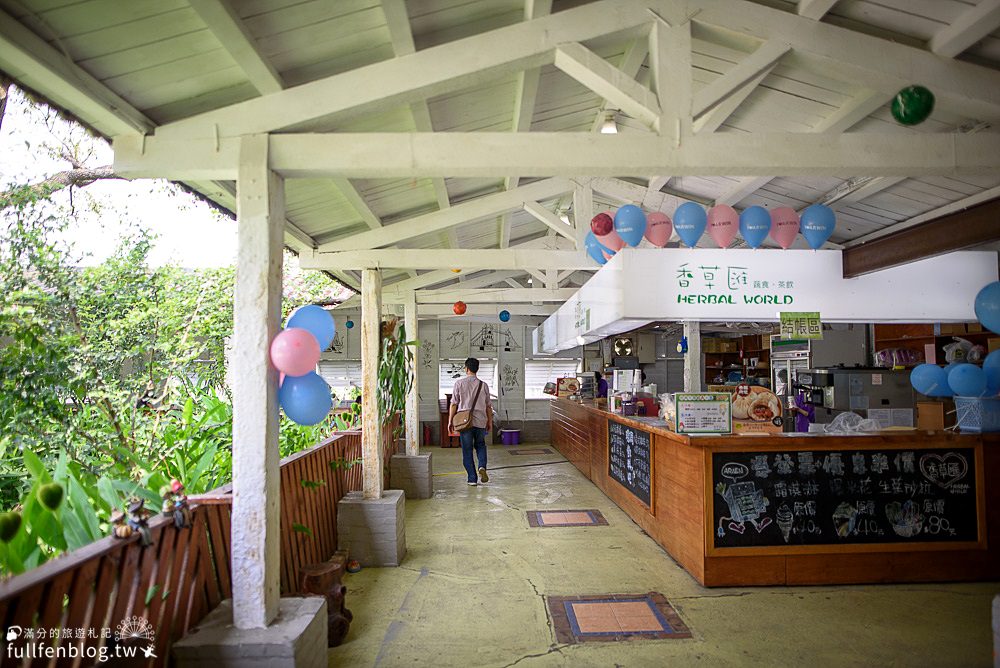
(184, 574)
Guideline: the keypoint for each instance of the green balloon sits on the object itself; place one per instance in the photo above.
(912, 105)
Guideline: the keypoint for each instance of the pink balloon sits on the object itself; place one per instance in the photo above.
(723, 224)
(281, 378)
(784, 225)
(612, 241)
(658, 228)
(295, 352)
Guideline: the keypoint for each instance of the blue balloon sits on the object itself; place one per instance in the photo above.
(594, 248)
(630, 224)
(991, 365)
(317, 321)
(930, 380)
(755, 225)
(504, 315)
(306, 399)
(988, 307)
(967, 380)
(817, 223)
(690, 221)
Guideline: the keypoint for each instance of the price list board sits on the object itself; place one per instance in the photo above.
(630, 459)
(703, 413)
(844, 497)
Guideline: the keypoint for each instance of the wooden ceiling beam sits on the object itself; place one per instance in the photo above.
(37, 66)
(815, 9)
(225, 23)
(971, 26)
(956, 231)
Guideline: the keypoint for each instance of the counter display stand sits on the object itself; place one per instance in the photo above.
(735, 510)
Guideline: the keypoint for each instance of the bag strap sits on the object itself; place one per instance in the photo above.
(475, 397)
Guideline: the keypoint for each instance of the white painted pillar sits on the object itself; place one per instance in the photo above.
(256, 555)
(371, 427)
(412, 399)
(694, 368)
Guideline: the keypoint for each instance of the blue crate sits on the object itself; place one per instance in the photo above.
(978, 415)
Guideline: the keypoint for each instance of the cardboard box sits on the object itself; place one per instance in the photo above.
(709, 344)
(952, 328)
(992, 345)
(935, 415)
(973, 327)
(730, 346)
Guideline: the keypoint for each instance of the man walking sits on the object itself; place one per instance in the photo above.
(472, 394)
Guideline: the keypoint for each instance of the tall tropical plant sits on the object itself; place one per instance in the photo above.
(395, 371)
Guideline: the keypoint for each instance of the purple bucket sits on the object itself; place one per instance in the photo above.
(510, 436)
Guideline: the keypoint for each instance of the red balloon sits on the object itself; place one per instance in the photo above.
(601, 224)
(459, 308)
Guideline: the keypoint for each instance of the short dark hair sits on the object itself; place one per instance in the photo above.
(472, 364)
(597, 375)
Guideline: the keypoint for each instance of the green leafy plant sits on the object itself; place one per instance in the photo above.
(395, 372)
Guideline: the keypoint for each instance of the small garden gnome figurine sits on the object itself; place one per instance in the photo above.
(182, 511)
(119, 529)
(137, 516)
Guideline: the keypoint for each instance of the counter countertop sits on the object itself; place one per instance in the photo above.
(797, 439)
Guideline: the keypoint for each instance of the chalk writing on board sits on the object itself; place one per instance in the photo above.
(630, 458)
(831, 497)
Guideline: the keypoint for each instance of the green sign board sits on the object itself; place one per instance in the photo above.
(801, 325)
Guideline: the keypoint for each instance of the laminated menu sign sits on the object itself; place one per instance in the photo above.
(630, 459)
(703, 413)
(844, 497)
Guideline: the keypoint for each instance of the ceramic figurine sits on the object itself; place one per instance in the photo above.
(118, 527)
(137, 520)
(181, 508)
(168, 500)
(324, 580)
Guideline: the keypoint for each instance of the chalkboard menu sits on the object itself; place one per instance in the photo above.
(832, 498)
(630, 459)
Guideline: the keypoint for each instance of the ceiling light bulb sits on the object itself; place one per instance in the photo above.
(610, 125)
(529, 281)
(564, 217)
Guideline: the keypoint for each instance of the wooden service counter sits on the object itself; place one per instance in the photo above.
(796, 509)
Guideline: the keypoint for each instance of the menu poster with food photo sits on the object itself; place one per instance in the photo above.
(756, 410)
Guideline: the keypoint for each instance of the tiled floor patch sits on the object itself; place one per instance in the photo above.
(611, 617)
(530, 451)
(566, 518)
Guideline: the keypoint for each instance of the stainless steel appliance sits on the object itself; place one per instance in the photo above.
(788, 357)
(879, 394)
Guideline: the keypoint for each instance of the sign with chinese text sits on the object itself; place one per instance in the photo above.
(801, 325)
(630, 459)
(703, 413)
(755, 409)
(844, 497)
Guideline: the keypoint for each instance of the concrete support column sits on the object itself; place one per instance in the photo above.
(412, 399)
(257, 318)
(694, 368)
(371, 428)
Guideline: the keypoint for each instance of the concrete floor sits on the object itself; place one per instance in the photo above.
(469, 592)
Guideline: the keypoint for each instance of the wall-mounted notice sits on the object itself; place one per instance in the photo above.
(630, 459)
(832, 498)
(801, 325)
(703, 413)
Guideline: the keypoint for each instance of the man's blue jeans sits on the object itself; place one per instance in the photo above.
(473, 437)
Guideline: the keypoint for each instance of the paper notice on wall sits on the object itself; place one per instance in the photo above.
(881, 415)
(902, 417)
(876, 379)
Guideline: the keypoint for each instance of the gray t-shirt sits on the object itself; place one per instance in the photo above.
(462, 394)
